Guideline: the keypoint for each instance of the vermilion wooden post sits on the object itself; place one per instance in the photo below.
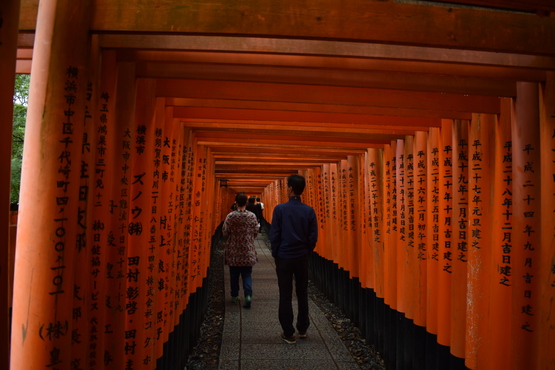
(9, 11)
(526, 241)
(391, 227)
(334, 236)
(376, 236)
(324, 222)
(116, 107)
(47, 251)
(546, 357)
(367, 261)
(354, 222)
(500, 284)
(164, 159)
(89, 288)
(400, 223)
(460, 237)
(344, 253)
(481, 154)
(188, 218)
(420, 228)
(199, 194)
(408, 245)
(434, 237)
(446, 249)
(140, 329)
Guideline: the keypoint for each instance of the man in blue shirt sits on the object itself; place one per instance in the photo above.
(293, 237)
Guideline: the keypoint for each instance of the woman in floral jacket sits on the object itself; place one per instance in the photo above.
(240, 227)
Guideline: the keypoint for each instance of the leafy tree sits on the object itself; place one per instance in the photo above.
(21, 95)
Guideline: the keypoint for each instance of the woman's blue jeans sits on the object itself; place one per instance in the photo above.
(246, 275)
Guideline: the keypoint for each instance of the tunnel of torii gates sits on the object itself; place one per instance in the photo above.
(428, 148)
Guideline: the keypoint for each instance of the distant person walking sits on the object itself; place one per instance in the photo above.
(293, 237)
(240, 227)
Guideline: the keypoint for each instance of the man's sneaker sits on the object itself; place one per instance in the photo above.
(248, 301)
(302, 335)
(234, 299)
(288, 340)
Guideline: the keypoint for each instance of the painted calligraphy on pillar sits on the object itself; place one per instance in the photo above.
(402, 193)
(420, 199)
(352, 199)
(409, 200)
(505, 273)
(462, 200)
(374, 202)
(448, 209)
(435, 195)
(529, 229)
(475, 186)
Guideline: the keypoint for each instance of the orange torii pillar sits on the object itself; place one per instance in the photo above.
(481, 155)
(500, 287)
(445, 184)
(9, 11)
(526, 229)
(547, 259)
(433, 268)
(460, 237)
(47, 251)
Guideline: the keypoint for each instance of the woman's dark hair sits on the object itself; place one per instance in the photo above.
(297, 182)
(241, 199)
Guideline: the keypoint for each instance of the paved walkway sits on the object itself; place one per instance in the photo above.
(251, 337)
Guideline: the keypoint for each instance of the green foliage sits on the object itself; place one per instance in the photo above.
(21, 95)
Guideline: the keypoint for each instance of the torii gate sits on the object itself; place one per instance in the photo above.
(424, 145)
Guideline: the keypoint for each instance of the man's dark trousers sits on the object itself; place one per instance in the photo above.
(286, 268)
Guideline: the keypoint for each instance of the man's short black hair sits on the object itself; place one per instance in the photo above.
(241, 199)
(297, 182)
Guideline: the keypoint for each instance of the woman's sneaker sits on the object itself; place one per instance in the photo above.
(234, 299)
(302, 335)
(248, 302)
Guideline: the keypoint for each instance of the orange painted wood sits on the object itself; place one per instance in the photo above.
(459, 246)
(140, 325)
(526, 239)
(399, 221)
(324, 222)
(88, 317)
(325, 95)
(434, 236)
(391, 226)
(354, 214)
(546, 334)
(188, 142)
(47, 253)
(446, 248)
(8, 49)
(335, 77)
(334, 226)
(343, 207)
(165, 152)
(481, 156)
(327, 20)
(420, 258)
(337, 112)
(375, 194)
(500, 283)
(411, 280)
(377, 59)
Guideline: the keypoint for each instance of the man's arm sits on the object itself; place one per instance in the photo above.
(313, 231)
(275, 232)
